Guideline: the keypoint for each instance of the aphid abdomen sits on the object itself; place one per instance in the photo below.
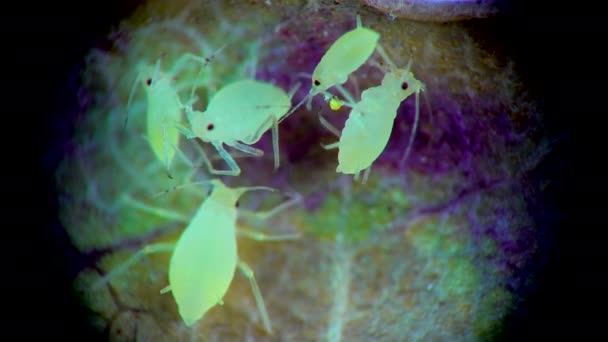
(204, 261)
(363, 140)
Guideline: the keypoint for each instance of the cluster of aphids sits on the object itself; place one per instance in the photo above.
(238, 115)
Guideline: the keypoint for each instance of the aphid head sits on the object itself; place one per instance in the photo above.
(318, 84)
(202, 125)
(402, 83)
(148, 74)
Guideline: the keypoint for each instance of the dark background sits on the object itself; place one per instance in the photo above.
(558, 46)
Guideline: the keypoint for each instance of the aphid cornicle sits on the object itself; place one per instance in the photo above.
(347, 54)
(238, 115)
(205, 256)
(369, 126)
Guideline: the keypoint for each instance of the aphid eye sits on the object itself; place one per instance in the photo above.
(210, 127)
(149, 81)
(404, 85)
(236, 205)
(317, 83)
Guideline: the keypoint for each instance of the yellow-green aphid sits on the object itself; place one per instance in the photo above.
(237, 116)
(163, 106)
(347, 54)
(369, 126)
(205, 256)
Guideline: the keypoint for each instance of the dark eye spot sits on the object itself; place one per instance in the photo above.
(236, 205)
(149, 81)
(404, 85)
(210, 127)
(317, 83)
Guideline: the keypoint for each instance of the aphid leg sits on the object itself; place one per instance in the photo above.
(248, 149)
(293, 90)
(131, 94)
(385, 57)
(160, 212)
(413, 133)
(428, 105)
(349, 98)
(329, 126)
(186, 161)
(259, 236)
(235, 170)
(331, 146)
(211, 169)
(167, 149)
(180, 63)
(248, 272)
(190, 117)
(264, 215)
(241, 190)
(304, 75)
(275, 142)
(185, 131)
(254, 61)
(275, 138)
(154, 248)
(308, 98)
(366, 173)
(355, 82)
(156, 71)
(209, 183)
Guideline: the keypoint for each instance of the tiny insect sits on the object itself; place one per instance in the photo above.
(205, 257)
(163, 105)
(370, 123)
(238, 115)
(347, 54)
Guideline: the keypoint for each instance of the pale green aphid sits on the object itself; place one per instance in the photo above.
(205, 256)
(163, 105)
(369, 126)
(238, 115)
(347, 54)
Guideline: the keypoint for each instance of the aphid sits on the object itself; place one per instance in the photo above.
(205, 256)
(369, 126)
(164, 106)
(238, 115)
(343, 57)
